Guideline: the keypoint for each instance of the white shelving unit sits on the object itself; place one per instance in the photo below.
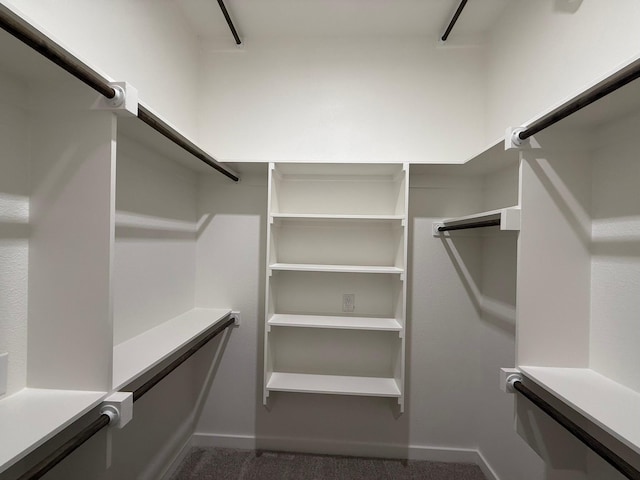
(336, 287)
(579, 264)
(84, 244)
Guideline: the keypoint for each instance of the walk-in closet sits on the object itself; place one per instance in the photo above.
(319, 239)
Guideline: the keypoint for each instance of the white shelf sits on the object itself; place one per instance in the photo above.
(509, 219)
(303, 267)
(337, 322)
(610, 405)
(136, 356)
(32, 416)
(328, 216)
(333, 384)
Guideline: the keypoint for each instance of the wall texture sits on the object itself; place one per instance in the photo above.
(14, 229)
(146, 43)
(544, 52)
(342, 100)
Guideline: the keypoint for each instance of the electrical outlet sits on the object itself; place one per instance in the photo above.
(4, 365)
(348, 302)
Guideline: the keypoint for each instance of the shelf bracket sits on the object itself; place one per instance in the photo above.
(507, 377)
(119, 408)
(513, 142)
(124, 103)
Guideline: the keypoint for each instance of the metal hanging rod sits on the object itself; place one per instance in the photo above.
(24, 32)
(602, 89)
(607, 454)
(453, 21)
(41, 468)
(161, 127)
(227, 17)
(20, 29)
(485, 223)
(53, 459)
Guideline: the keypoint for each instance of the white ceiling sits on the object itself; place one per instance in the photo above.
(258, 19)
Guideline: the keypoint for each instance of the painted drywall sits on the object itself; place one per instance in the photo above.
(230, 270)
(615, 263)
(342, 100)
(508, 454)
(14, 229)
(541, 53)
(155, 240)
(146, 43)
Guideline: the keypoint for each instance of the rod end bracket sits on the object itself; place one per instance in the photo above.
(434, 227)
(508, 376)
(125, 101)
(119, 408)
(513, 141)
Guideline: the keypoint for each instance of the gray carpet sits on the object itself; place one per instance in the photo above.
(228, 464)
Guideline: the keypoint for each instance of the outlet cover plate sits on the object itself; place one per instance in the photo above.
(348, 302)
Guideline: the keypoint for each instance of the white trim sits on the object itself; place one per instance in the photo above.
(486, 467)
(360, 449)
(241, 442)
(172, 467)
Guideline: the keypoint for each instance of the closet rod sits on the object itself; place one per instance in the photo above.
(44, 466)
(485, 223)
(453, 21)
(21, 30)
(41, 468)
(609, 456)
(602, 89)
(227, 17)
(161, 127)
(139, 392)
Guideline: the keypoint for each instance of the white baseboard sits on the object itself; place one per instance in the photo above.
(486, 467)
(242, 442)
(177, 460)
(359, 449)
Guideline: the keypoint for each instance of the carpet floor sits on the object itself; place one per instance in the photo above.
(230, 464)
